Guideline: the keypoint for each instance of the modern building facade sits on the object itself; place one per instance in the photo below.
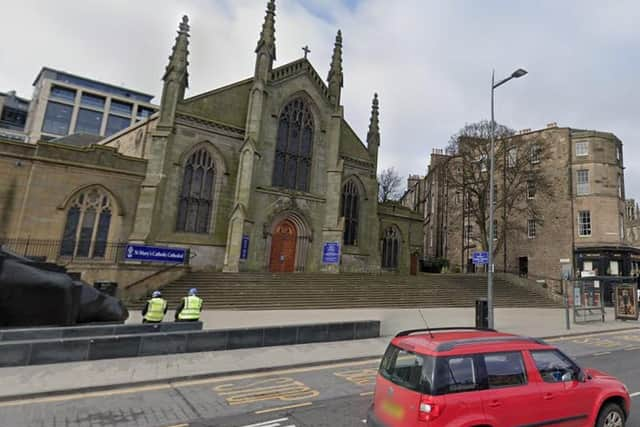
(64, 104)
(580, 227)
(13, 116)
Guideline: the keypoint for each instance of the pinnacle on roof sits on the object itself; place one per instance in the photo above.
(268, 34)
(374, 122)
(177, 67)
(335, 70)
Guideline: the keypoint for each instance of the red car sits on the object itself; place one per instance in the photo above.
(466, 377)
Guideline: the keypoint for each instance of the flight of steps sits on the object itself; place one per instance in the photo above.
(273, 291)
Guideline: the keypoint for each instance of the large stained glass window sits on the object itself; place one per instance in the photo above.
(294, 147)
(87, 226)
(350, 212)
(195, 202)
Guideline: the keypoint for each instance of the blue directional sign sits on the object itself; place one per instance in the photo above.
(480, 258)
(155, 254)
(331, 253)
(244, 249)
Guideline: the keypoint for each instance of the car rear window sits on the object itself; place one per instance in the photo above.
(407, 369)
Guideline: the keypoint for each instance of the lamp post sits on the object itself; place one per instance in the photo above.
(516, 74)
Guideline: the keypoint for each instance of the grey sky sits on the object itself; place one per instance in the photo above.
(430, 61)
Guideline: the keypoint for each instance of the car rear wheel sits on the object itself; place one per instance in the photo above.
(611, 415)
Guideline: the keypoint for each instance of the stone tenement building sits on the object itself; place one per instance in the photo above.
(632, 229)
(581, 226)
(254, 176)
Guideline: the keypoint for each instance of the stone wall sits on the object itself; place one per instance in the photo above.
(38, 181)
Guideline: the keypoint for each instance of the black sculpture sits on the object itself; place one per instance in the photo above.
(39, 294)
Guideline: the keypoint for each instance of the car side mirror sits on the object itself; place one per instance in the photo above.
(582, 377)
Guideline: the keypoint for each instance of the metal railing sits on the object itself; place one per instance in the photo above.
(61, 252)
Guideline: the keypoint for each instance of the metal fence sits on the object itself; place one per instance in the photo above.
(57, 251)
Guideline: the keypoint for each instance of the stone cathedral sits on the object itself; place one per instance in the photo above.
(263, 174)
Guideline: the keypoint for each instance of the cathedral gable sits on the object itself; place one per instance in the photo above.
(350, 144)
(226, 105)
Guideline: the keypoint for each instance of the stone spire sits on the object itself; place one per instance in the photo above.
(266, 48)
(373, 136)
(336, 78)
(176, 76)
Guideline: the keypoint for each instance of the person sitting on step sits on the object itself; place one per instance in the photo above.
(190, 307)
(155, 309)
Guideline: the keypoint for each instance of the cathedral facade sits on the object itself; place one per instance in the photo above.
(263, 174)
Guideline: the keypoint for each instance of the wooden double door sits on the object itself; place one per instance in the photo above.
(283, 248)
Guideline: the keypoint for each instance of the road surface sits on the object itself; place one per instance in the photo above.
(335, 395)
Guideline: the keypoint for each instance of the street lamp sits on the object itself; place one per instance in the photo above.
(516, 74)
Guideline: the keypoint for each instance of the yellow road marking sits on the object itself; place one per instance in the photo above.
(270, 389)
(185, 383)
(282, 408)
(188, 383)
(359, 377)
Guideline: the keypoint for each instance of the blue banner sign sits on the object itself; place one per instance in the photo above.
(331, 253)
(155, 253)
(244, 249)
(480, 258)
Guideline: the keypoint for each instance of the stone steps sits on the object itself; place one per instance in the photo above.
(267, 291)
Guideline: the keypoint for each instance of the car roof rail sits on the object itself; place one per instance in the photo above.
(450, 345)
(450, 328)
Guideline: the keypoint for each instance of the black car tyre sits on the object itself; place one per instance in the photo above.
(611, 415)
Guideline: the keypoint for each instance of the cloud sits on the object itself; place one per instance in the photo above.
(430, 61)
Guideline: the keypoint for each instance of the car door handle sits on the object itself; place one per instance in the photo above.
(548, 396)
(495, 404)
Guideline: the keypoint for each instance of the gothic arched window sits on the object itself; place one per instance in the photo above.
(294, 146)
(195, 201)
(87, 227)
(350, 212)
(390, 247)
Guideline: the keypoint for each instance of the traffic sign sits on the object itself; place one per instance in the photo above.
(480, 258)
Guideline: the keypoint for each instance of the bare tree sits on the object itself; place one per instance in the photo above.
(520, 186)
(481, 130)
(389, 185)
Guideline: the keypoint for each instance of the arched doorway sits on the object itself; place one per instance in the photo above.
(283, 247)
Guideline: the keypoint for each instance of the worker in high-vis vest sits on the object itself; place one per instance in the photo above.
(190, 307)
(155, 309)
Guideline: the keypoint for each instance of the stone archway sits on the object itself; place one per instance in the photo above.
(288, 242)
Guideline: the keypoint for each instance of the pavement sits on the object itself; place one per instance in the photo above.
(29, 381)
(527, 321)
(330, 394)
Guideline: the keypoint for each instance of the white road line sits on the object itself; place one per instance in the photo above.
(637, 393)
(272, 423)
(602, 353)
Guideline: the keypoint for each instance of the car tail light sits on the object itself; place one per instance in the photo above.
(429, 410)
